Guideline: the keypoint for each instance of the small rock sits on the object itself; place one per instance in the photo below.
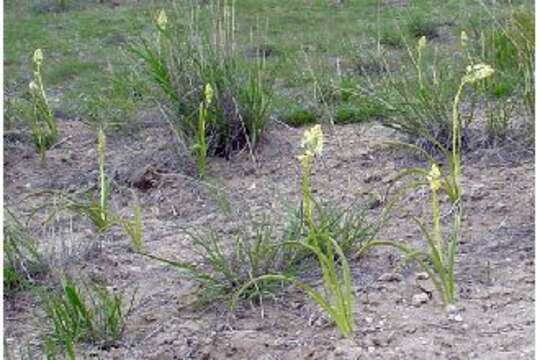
(422, 276)
(420, 299)
(389, 277)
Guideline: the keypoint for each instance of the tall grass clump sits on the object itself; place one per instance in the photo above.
(43, 124)
(22, 260)
(183, 60)
(76, 316)
(418, 97)
(438, 260)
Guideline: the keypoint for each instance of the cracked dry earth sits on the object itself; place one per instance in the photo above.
(397, 315)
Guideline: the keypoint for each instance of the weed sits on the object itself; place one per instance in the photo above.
(134, 228)
(312, 143)
(200, 147)
(94, 316)
(43, 123)
(338, 297)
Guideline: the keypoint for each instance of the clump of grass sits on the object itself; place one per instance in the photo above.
(301, 117)
(183, 61)
(43, 124)
(439, 258)
(254, 252)
(508, 43)
(418, 25)
(22, 259)
(418, 99)
(360, 110)
(93, 316)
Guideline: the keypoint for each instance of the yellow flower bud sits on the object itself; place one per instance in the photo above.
(208, 94)
(161, 20)
(38, 57)
(477, 72)
(422, 43)
(434, 178)
(313, 141)
(464, 39)
(33, 86)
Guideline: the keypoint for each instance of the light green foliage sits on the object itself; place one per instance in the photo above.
(300, 117)
(44, 127)
(74, 316)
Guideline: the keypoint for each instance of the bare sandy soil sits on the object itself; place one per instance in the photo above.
(495, 318)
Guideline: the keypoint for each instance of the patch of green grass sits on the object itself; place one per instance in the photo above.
(94, 315)
(360, 110)
(419, 25)
(301, 117)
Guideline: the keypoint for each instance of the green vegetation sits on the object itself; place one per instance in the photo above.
(74, 316)
(23, 261)
(439, 259)
(219, 73)
(183, 60)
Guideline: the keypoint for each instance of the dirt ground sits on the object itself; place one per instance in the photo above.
(495, 270)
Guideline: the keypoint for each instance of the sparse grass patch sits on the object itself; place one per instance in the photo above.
(22, 259)
(254, 252)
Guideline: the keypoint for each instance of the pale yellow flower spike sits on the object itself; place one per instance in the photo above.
(422, 42)
(208, 94)
(313, 141)
(434, 178)
(464, 39)
(161, 20)
(38, 57)
(478, 72)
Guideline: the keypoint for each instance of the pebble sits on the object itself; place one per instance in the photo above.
(420, 299)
